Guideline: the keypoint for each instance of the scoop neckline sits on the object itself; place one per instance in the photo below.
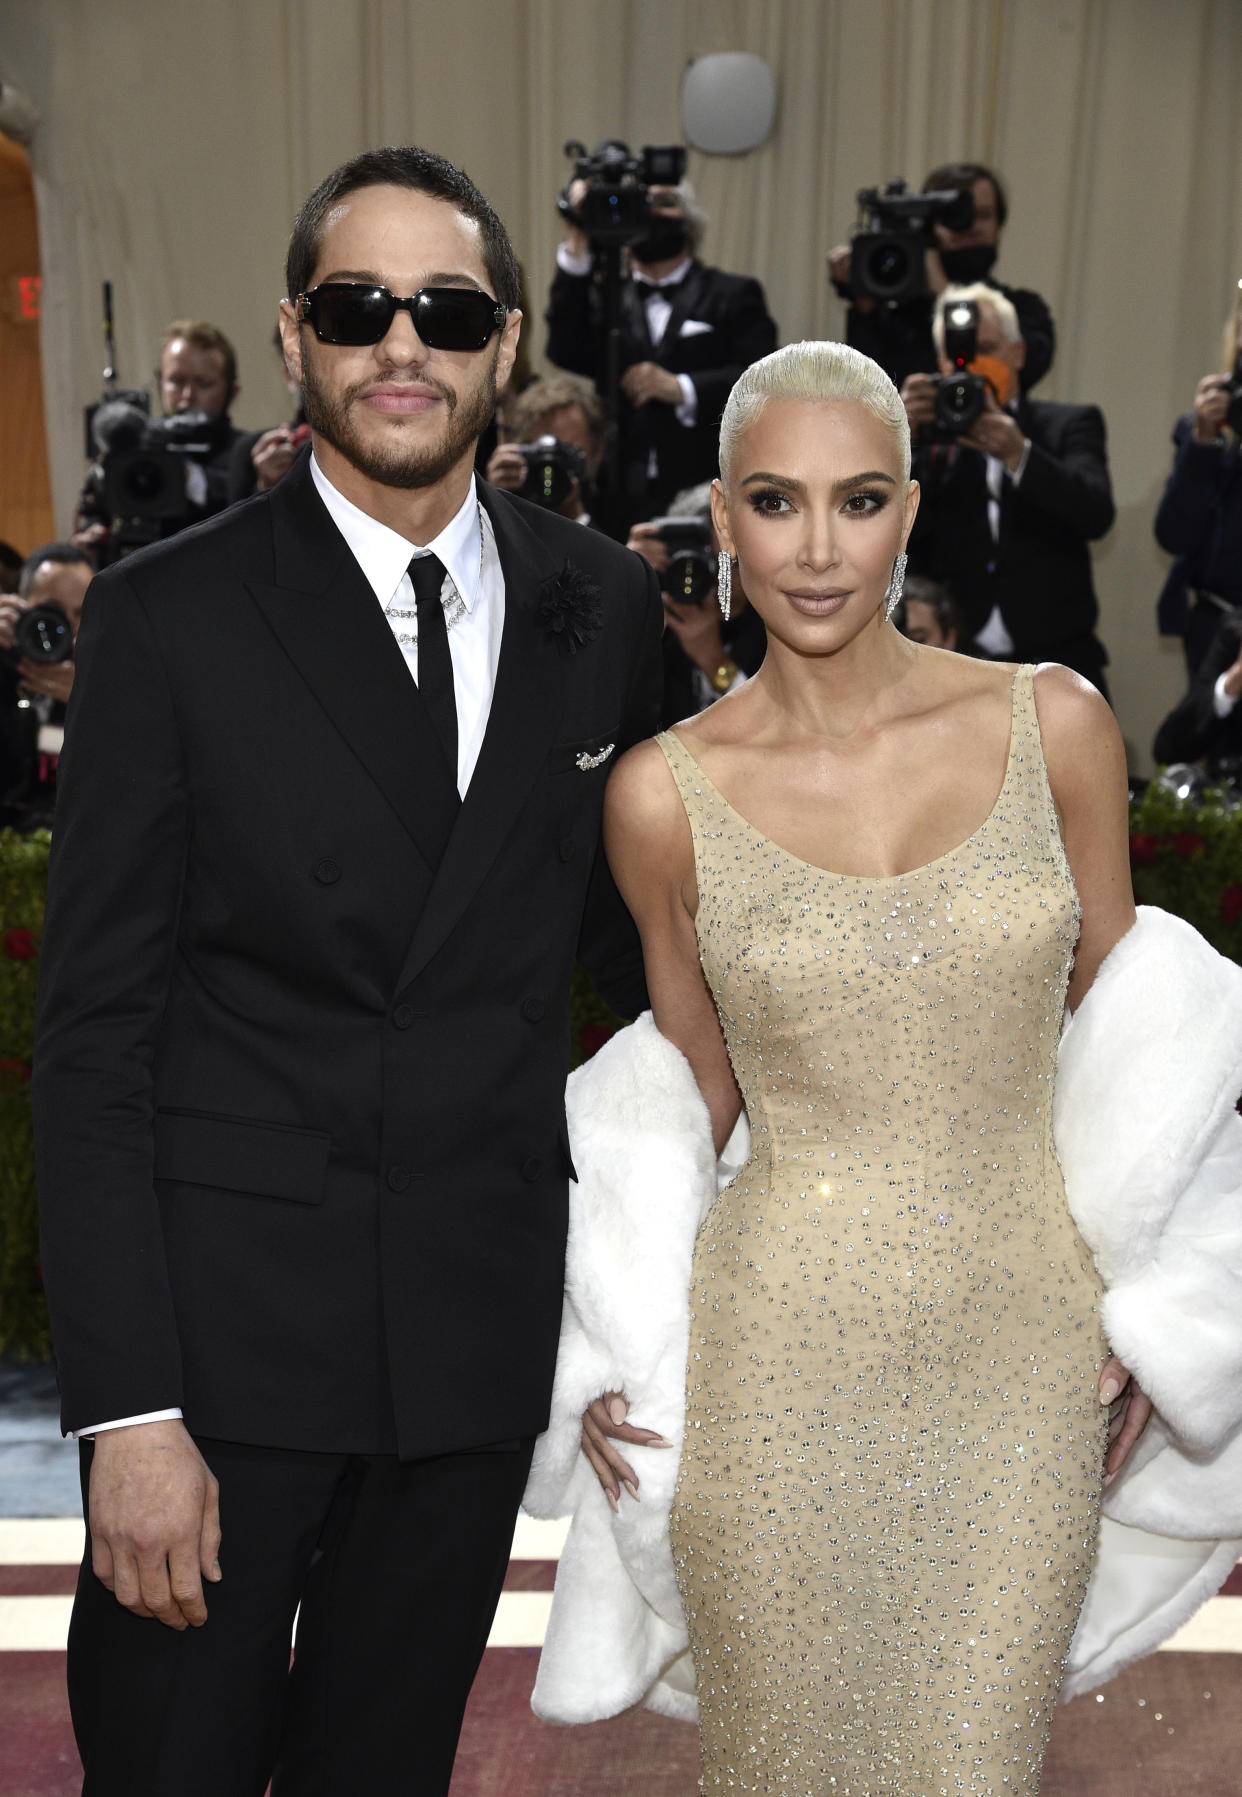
(829, 873)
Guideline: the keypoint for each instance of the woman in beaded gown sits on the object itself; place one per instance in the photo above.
(865, 883)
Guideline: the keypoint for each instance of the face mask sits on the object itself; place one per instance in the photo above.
(999, 376)
(665, 238)
(966, 266)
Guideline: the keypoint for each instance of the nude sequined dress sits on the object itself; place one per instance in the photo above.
(887, 1505)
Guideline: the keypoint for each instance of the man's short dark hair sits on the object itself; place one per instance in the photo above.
(965, 174)
(51, 552)
(422, 171)
(201, 335)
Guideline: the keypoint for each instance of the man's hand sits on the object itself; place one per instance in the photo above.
(506, 468)
(576, 241)
(48, 680)
(645, 381)
(11, 609)
(697, 629)
(90, 536)
(645, 540)
(995, 433)
(272, 456)
(155, 1522)
(1131, 1411)
(1211, 404)
(918, 396)
(1233, 677)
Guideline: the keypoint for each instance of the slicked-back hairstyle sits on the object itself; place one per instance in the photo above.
(817, 370)
(965, 174)
(422, 171)
(201, 335)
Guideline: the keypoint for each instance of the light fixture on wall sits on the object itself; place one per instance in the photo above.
(728, 103)
(18, 115)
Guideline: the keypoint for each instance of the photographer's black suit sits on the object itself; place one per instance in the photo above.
(739, 331)
(301, 1060)
(1038, 568)
(1192, 731)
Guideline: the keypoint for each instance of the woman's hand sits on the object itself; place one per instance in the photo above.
(1211, 404)
(1133, 1408)
(603, 1422)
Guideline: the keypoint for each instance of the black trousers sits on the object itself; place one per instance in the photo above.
(397, 1567)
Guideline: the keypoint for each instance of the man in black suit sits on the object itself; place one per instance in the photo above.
(326, 846)
(1008, 509)
(1206, 725)
(687, 333)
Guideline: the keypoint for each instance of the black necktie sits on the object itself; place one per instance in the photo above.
(435, 664)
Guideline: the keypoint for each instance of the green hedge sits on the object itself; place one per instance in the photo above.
(1185, 857)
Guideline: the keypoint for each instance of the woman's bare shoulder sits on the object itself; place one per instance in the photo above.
(641, 793)
(1075, 719)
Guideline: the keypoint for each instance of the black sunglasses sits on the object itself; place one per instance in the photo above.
(445, 317)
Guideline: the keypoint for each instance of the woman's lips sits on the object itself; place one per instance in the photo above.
(816, 603)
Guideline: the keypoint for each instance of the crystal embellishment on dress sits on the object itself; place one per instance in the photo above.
(886, 1511)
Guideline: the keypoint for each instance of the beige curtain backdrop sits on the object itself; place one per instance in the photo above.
(178, 138)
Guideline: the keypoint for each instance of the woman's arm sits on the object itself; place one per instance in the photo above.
(651, 853)
(1086, 763)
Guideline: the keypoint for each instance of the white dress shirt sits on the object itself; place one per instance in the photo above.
(659, 309)
(467, 547)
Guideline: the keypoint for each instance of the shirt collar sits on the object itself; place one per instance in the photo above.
(384, 556)
(673, 278)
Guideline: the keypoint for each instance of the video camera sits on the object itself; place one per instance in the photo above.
(551, 469)
(145, 484)
(691, 572)
(960, 396)
(616, 207)
(886, 252)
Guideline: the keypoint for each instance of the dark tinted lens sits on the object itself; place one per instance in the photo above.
(454, 318)
(348, 314)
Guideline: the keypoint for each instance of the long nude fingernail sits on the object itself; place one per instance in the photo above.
(659, 1441)
(1109, 1390)
(618, 1410)
(616, 1508)
(631, 1485)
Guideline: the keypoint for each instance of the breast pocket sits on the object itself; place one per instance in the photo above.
(236, 1154)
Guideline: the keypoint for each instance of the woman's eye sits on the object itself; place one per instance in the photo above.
(861, 504)
(770, 503)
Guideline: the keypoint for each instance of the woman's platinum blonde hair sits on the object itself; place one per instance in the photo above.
(815, 370)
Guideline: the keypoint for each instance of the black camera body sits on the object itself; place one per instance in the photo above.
(886, 252)
(960, 396)
(691, 572)
(616, 207)
(143, 462)
(552, 466)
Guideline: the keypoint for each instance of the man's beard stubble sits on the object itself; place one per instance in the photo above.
(397, 464)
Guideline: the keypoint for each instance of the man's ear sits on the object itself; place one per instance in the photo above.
(291, 338)
(507, 353)
(1017, 351)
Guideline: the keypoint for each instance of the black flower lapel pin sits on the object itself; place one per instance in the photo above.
(571, 608)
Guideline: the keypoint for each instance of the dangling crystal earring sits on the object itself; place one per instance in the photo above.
(724, 583)
(892, 598)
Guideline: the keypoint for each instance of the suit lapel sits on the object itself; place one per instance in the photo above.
(325, 616)
(532, 684)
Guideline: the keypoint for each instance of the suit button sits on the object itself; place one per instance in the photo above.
(403, 1017)
(398, 1178)
(327, 871)
(565, 848)
(532, 1167)
(533, 1009)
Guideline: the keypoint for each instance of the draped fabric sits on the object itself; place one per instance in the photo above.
(178, 140)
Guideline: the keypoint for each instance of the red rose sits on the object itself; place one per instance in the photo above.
(1144, 851)
(15, 1069)
(593, 1038)
(1186, 843)
(20, 944)
(1231, 904)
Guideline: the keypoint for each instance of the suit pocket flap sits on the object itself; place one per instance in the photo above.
(584, 757)
(269, 1159)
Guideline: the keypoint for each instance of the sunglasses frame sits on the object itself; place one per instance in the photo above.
(305, 310)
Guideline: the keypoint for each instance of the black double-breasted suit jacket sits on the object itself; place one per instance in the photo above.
(302, 1032)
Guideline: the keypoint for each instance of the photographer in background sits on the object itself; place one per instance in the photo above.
(38, 630)
(687, 333)
(197, 378)
(1008, 508)
(563, 406)
(928, 613)
(261, 458)
(1199, 519)
(1207, 724)
(899, 336)
(705, 655)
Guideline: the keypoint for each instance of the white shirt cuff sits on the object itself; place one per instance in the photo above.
(125, 1422)
(1020, 470)
(1222, 702)
(570, 264)
(688, 411)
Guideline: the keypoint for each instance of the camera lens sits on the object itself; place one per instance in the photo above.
(144, 478)
(888, 267)
(959, 402)
(42, 634)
